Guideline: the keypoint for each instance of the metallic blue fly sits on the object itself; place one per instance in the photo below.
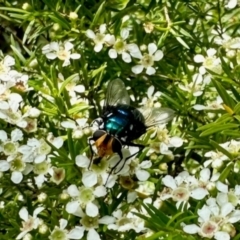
(121, 123)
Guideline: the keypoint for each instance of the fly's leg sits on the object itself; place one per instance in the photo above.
(91, 149)
(115, 166)
(140, 146)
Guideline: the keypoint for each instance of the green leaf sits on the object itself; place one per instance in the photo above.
(226, 172)
(227, 99)
(218, 128)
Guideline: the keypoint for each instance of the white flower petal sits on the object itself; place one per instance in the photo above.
(76, 233)
(199, 193)
(3, 136)
(82, 161)
(137, 69)
(150, 71)
(126, 57)
(222, 187)
(4, 166)
(51, 56)
(73, 190)
(79, 89)
(16, 135)
(8, 61)
(176, 141)
(4, 105)
(226, 209)
(199, 107)
(191, 229)
(152, 48)
(40, 158)
(211, 52)
(169, 181)
(124, 33)
(98, 47)
(145, 164)
(234, 216)
(72, 207)
(68, 46)
(100, 191)
(142, 175)
(89, 178)
(102, 28)
(91, 210)
(150, 91)
(90, 34)
(106, 220)
(199, 58)
(131, 197)
(23, 213)
(232, 4)
(63, 223)
(75, 56)
(57, 142)
(112, 53)
(205, 174)
(37, 211)
(22, 234)
(16, 177)
(93, 235)
(220, 235)
(68, 124)
(158, 55)
(202, 70)
(164, 149)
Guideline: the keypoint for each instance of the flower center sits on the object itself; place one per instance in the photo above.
(89, 222)
(41, 168)
(86, 195)
(10, 148)
(120, 46)
(180, 194)
(147, 60)
(17, 165)
(99, 38)
(63, 54)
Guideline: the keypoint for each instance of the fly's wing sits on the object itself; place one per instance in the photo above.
(156, 116)
(116, 94)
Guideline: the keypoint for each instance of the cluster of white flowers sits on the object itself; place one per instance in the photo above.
(21, 158)
(128, 51)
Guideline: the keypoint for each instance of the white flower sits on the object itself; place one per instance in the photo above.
(210, 62)
(211, 105)
(231, 4)
(126, 222)
(61, 51)
(84, 197)
(5, 67)
(91, 223)
(195, 87)
(147, 60)
(78, 129)
(29, 222)
(121, 47)
(182, 188)
(100, 38)
(60, 233)
(152, 98)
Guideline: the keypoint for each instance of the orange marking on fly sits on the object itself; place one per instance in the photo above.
(104, 145)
